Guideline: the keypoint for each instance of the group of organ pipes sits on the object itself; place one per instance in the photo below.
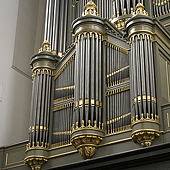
(117, 89)
(142, 77)
(63, 103)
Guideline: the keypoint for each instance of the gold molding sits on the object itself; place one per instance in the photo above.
(117, 71)
(87, 128)
(140, 32)
(167, 74)
(24, 145)
(90, 31)
(89, 134)
(141, 130)
(116, 133)
(64, 106)
(66, 87)
(153, 33)
(62, 99)
(14, 166)
(62, 154)
(90, 25)
(115, 83)
(166, 24)
(6, 157)
(36, 148)
(63, 67)
(166, 108)
(117, 90)
(117, 118)
(117, 141)
(161, 46)
(168, 119)
(42, 62)
(88, 102)
(58, 147)
(41, 67)
(147, 119)
(118, 46)
(62, 133)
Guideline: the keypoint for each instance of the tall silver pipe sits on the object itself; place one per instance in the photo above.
(65, 25)
(61, 26)
(39, 107)
(81, 74)
(49, 21)
(135, 76)
(143, 75)
(147, 75)
(35, 109)
(153, 93)
(92, 76)
(100, 78)
(128, 6)
(32, 109)
(48, 108)
(153, 71)
(97, 78)
(54, 26)
(42, 106)
(46, 19)
(138, 75)
(87, 74)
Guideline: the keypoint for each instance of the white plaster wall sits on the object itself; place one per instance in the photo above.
(18, 29)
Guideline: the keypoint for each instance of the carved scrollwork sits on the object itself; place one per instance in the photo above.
(86, 139)
(89, 151)
(35, 163)
(86, 144)
(145, 138)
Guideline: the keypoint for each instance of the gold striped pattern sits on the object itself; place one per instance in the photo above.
(64, 66)
(118, 90)
(64, 106)
(66, 87)
(63, 99)
(117, 118)
(117, 71)
(62, 133)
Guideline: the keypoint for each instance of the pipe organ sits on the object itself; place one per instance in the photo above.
(96, 78)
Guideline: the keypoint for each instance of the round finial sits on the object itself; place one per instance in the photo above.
(139, 6)
(90, 9)
(90, 5)
(139, 10)
(46, 43)
(46, 47)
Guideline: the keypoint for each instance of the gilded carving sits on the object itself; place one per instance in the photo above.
(144, 137)
(35, 163)
(46, 48)
(90, 9)
(86, 144)
(89, 152)
(140, 10)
